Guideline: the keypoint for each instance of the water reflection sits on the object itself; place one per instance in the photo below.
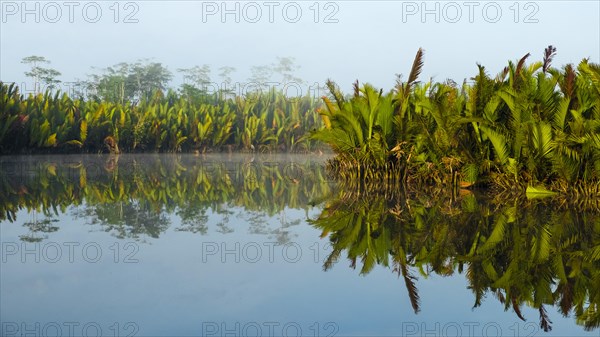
(132, 196)
(522, 253)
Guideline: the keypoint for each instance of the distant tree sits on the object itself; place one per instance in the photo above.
(224, 73)
(111, 84)
(196, 81)
(128, 81)
(39, 74)
(285, 67)
(147, 78)
(197, 77)
(261, 76)
(259, 79)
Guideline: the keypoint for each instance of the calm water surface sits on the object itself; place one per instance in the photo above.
(223, 245)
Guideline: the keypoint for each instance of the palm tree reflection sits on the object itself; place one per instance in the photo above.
(535, 254)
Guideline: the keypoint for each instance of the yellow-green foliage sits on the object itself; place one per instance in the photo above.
(171, 123)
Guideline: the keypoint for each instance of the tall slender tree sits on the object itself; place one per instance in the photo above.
(41, 75)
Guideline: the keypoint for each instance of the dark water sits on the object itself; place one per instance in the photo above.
(165, 245)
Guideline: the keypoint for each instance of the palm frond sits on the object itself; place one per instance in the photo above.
(520, 65)
(416, 69)
(549, 54)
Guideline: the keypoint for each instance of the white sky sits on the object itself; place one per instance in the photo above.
(368, 40)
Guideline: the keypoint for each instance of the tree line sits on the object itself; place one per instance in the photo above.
(134, 81)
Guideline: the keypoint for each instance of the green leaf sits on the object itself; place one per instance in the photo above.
(83, 130)
(51, 141)
(499, 142)
(497, 235)
(538, 192)
(75, 142)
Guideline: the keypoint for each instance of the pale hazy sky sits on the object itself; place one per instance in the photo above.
(343, 40)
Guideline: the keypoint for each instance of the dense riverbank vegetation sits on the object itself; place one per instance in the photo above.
(531, 124)
(532, 127)
(131, 107)
(171, 122)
